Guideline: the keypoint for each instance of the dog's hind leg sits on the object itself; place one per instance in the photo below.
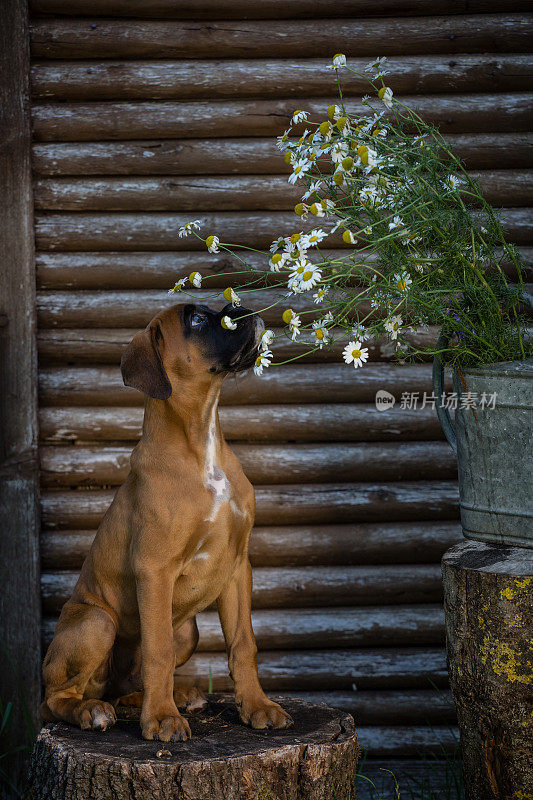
(75, 668)
(188, 697)
(185, 641)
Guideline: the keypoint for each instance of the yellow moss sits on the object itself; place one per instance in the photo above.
(504, 661)
(520, 795)
(518, 621)
(507, 594)
(522, 583)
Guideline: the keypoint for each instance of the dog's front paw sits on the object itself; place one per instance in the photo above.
(166, 727)
(95, 715)
(260, 712)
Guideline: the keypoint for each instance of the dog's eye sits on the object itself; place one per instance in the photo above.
(196, 320)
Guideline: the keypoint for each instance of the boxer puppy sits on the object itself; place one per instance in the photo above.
(173, 541)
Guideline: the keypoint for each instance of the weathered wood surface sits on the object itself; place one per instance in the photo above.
(245, 156)
(258, 78)
(269, 193)
(286, 505)
(305, 628)
(268, 9)
(93, 38)
(396, 707)
(159, 230)
(159, 270)
(286, 545)
(19, 478)
(295, 423)
(320, 462)
(105, 346)
(166, 120)
(103, 385)
(489, 607)
(300, 587)
(316, 759)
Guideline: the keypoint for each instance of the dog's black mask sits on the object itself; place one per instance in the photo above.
(225, 350)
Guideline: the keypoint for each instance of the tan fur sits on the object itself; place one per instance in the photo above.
(174, 540)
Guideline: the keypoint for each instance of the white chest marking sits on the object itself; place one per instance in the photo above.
(215, 479)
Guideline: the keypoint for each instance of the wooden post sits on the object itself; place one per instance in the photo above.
(19, 480)
(489, 607)
(316, 759)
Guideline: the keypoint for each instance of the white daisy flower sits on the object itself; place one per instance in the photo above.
(283, 139)
(321, 333)
(189, 227)
(359, 333)
(402, 281)
(320, 294)
(278, 261)
(293, 321)
(393, 325)
(452, 182)
(300, 168)
(314, 237)
(349, 238)
(354, 353)
(339, 60)
(313, 188)
(277, 244)
(228, 324)
(196, 279)
(263, 360)
(299, 116)
(267, 337)
(397, 222)
(376, 64)
(368, 195)
(212, 243)
(339, 224)
(385, 94)
(231, 296)
(334, 112)
(310, 278)
(339, 151)
(317, 209)
(178, 286)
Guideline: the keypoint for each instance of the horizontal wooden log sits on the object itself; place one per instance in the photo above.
(297, 587)
(267, 9)
(103, 386)
(286, 505)
(164, 120)
(256, 78)
(153, 270)
(425, 706)
(136, 309)
(159, 231)
(105, 345)
(93, 38)
(327, 545)
(268, 463)
(254, 193)
(338, 422)
(293, 628)
(402, 741)
(245, 156)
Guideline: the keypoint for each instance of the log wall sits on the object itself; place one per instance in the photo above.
(147, 113)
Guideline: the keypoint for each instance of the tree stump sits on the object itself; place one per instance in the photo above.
(489, 608)
(316, 759)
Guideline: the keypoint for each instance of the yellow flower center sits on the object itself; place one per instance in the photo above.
(287, 315)
(307, 275)
(319, 333)
(258, 361)
(276, 258)
(295, 238)
(356, 354)
(395, 326)
(402, 286)
(300, 269)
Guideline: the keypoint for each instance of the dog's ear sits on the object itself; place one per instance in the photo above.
(141, 364)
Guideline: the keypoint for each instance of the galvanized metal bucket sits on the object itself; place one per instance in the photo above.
(493, 441)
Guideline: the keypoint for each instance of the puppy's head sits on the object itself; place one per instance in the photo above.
(187, 343)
